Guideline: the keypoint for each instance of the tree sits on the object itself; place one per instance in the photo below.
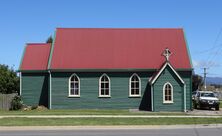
(9, 81)
(197, 81)
(49, 40)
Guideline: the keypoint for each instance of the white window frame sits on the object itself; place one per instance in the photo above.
(164, 101)
(109, 81)
(69, 91)
(130, 80)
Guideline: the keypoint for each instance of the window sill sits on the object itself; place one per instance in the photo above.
(134, 96)
(74, 96)
(104, 96)
(171, 102)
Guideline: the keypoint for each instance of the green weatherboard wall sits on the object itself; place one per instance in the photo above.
(89, 91)
(35, 89)
(187, 78)
(178, 91)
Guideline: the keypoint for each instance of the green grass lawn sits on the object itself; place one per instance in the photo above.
(105, 121)
(86, 112)
(98, 121)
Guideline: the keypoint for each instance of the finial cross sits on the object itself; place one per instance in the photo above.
(167, 54)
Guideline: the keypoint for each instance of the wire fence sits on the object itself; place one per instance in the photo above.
(218, 94)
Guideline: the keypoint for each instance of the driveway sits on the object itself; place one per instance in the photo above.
(205, 112)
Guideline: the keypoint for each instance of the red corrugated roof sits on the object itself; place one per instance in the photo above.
(36, 56)
(99, 48)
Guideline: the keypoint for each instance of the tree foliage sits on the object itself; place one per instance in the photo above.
(197, 81)
(49, 40)
(9, 81)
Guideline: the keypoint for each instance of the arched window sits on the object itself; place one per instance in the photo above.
(167, 93)
(74, 86)
(104, 86)
(134, 86)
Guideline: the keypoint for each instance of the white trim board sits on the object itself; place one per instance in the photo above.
(164, 100)
(109, 82)
(69, 91)
(20, 82)
(161, 70)
(130, 80)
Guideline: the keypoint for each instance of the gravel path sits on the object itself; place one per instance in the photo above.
(204, 112)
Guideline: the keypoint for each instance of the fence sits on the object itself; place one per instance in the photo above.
(218, 94)
(5, 101)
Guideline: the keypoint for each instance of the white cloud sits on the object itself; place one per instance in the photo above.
(201, 64)
(214, 64)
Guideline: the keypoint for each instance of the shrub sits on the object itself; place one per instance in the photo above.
(16, 103)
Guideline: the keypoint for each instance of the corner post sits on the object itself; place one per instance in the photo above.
(152, 98)
(20, 83)
(50, 89)
(185, 104)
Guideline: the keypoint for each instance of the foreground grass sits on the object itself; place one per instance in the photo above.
(99, 121)
(105, 121)
(86, 112)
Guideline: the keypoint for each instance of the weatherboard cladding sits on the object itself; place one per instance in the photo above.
(187, 78)
(35, 89)
(35, 93)
(168, 76)
(89, 90)
(167, 64)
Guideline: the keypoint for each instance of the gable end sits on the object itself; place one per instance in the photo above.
(153, 80)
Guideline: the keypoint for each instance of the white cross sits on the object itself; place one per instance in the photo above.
(167, 54)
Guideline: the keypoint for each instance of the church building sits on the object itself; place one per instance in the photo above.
(109, 68)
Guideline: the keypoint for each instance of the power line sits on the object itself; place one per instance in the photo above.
(214, 44)
(210, 61)
(218, 35)
(212, 57)
(208, 50)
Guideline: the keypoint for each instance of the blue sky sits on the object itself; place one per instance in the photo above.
(25, 21)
